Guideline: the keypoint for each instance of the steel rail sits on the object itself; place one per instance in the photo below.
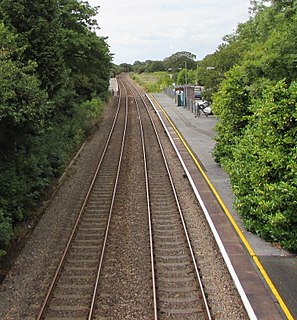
(75, 227)
(92, 307)
(148, 207)
(179, 209)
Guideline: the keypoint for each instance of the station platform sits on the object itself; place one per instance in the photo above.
(276, 267)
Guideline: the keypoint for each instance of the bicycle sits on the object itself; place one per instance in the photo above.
(200, 109)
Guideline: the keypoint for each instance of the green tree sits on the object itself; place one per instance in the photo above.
(41, 123)
(231, 104)
(264, 166)
(23, 105)
(155, 66)
(211, 70)
(126, 67)
(38, 25)
(179, 60)
(138, 66)
(256, 131)
(186, 77)
(269, 57)
(23, 109)
(85, 54)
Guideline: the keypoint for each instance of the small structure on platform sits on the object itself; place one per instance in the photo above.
(183, 93)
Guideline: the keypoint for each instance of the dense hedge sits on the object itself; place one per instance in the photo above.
(54, 77)
(26, 173)
(263, 169)
(256, 107)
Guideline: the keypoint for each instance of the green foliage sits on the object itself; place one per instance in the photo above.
(263, 168)
(38, 27)
(174, 64)
(21, 100)
(255, 104)
(6, 231)
(231, 104)
(92, 109)
(23, 105)
(186, 77)
(86, 55)
(179, 59)
(153, 82)
(155, 66)
(26, 174)
(54, 75)
(211, 70)
(77, 15)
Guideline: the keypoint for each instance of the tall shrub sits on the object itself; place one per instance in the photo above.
(263, 169)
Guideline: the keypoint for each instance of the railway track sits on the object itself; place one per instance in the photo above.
(73, 289)
(179, 289)
(129, 255)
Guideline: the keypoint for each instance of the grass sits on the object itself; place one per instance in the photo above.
(152, 82)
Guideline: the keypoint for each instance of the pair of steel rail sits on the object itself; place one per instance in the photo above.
(124, 86)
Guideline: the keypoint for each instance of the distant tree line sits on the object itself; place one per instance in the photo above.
(54, 75)
(176, 62)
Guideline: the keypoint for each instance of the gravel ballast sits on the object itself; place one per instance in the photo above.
(26, 280)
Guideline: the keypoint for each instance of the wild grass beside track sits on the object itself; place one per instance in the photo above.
(153, 82)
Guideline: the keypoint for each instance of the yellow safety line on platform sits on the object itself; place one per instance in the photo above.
(233, 222)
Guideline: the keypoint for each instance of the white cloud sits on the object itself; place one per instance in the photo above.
(155, 29)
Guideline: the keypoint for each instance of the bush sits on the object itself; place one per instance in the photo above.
(5, 231)
(263, 169)
(230, 104)
(27, 172)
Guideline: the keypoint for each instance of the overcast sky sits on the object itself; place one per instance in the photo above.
(155, 29)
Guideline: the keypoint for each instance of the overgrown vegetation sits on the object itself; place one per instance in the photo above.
(180, 68)
(255, 103)
(54, 76)
(153, 82)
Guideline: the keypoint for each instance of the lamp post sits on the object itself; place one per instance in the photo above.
(186, 84)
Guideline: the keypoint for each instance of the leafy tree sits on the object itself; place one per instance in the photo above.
(23, 105)
(155, 66)
(78, 15)
(126, 67)
(269, 57)
(264, 166)
(179, 60)
(5, 231)
(47, 54)
(139, 66)
(186, 77)
(211, 70)
(256, 109)
(231, 105)
(23, 108)
(85, 54)
(38, 26)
